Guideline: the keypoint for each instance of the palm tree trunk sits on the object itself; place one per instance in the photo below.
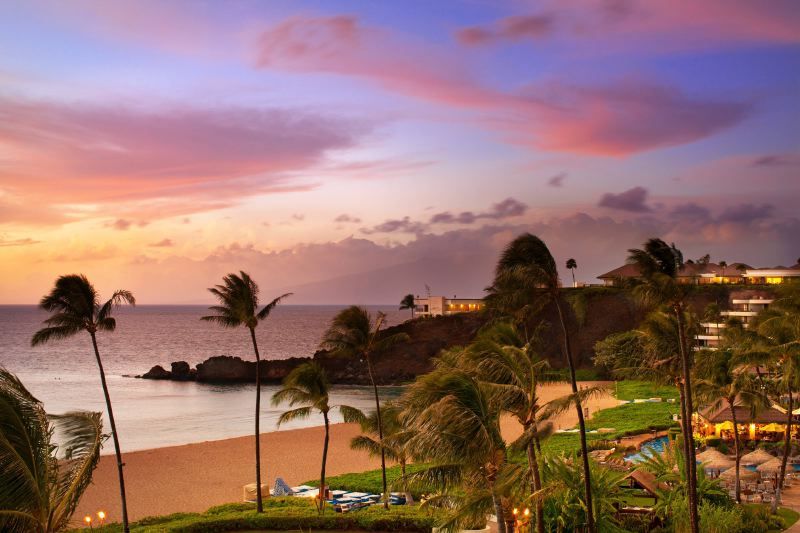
(259, 502)
(688, 433)
(498, 512)
(120, 464)
(587, 482)
(687, 451)
(736, 447)
(380, 430)
(322, 491)
(533, 464)
(787, 446)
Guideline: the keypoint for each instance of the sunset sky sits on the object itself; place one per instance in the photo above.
(356, 151)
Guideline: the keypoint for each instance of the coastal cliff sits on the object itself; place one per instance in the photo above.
(592, 314)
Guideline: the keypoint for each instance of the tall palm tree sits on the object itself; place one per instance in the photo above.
(510, 367)
(526, 268)
(354, 333)
(408, 303)
(308, 386)
(778, 327)
(458, 431)
(238, 306)
(75, 306)
(721, 381)
(39, 491)
(572, 265)
(723, 265)
(396, 439)
(658, 265)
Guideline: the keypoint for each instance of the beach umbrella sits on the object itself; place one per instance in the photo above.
(744, 475)
(757, 457)
(770, 467)
(709, 454)
(718, 463)
(774, 428)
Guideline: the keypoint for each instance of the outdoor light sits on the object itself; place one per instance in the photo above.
(88, 520)
(527, 512)
(515, 511)
(102, 516)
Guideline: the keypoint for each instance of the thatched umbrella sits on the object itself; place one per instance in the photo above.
(757, 457)
(710, 454)
(770, 467)
(744, 475)
(718, 463)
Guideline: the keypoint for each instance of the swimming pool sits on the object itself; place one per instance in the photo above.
(648, 448)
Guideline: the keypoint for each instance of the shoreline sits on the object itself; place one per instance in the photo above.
(193, 477)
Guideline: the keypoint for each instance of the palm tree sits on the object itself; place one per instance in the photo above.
(353, 333)
(75, 306)
(526, 267)
(408, 303)
(308, 386)
(723, 265)
(572, 265)
(238, 306)
(721, 381)
(458, 430)
(510, 367)
(658, 265)
(396, 439)
(778, 327)
(38, 490)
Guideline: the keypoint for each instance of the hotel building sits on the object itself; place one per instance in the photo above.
(743, 308)
(705, 273)
(441, 305)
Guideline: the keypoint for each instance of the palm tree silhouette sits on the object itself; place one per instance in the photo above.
(408, 303)
(525, 267)
(353, 333)
(308, 386)
(39, 491)
(572, 265)
(238, 306)
(75, 306)
(659, 264)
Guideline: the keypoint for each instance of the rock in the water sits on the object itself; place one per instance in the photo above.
(157, 372)
(181, 371)
(226, 368)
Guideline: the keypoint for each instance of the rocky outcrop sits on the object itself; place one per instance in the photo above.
(591, 314)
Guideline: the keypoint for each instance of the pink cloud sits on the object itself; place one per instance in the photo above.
(600, 26)
(618, 118)
(167, 159)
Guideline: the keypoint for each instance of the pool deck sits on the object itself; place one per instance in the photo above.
(637, 440)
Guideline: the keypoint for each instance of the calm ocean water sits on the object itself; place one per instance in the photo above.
(152, 414)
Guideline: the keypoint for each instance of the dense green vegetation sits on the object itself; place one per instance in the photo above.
(285, 514)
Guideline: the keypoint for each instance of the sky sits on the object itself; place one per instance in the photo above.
(355, 151)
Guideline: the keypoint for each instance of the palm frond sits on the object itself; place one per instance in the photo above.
(264, 313)
(295, 414)
(117, 299)
(46, 335)
(83, 434)
(352, 415)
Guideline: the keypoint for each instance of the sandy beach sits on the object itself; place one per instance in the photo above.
(194, 477)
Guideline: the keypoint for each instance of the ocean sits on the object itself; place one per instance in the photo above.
(152, 414)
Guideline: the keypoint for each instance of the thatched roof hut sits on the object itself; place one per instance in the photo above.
(757, 457)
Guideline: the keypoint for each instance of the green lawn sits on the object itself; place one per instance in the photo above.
(370, 481)
(285, 514)
(627, 419)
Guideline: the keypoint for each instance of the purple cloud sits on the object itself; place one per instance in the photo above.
(345, 218)
(557, 180)
(163, 243)
(691, 211)
(122, 224)
(403, 225)
(508, 208)
(514, 28)
(772, 160)
(632, 200)
(746, 213)
(18, 242)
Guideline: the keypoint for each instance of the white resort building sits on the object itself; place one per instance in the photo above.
(743, 308)
(441, 305)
